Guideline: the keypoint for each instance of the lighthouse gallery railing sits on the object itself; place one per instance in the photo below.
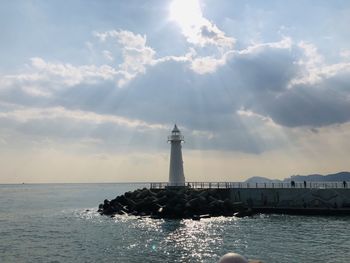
(223, 185)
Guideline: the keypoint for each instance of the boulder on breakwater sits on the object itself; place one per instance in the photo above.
(175, 202)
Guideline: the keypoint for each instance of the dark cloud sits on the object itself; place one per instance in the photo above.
(307, 105)
(207, 32)
(268, 70)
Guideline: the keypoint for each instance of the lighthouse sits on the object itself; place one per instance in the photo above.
(176, 169)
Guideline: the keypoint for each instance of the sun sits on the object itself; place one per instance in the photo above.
(187, 13)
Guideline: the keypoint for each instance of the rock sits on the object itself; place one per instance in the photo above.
(173, 203)
(121, 212)
(134, 213)
(194, 202)
(121, 199)
(202, 200)
(143, 194)
(188, 205)
(178, 210)
(196, 217)
(128, 194)
(155, 216)
(160, 194)
(162, 200)
(204, 194)
(166, 212)
(244, 213)
(212, 198)
(130, 203)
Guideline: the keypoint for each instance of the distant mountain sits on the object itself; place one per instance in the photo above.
(259, 179)
(337, 177)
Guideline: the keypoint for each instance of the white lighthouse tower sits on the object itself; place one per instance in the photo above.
(176, 170)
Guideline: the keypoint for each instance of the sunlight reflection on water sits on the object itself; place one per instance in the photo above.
(61, 229)
(263, 237)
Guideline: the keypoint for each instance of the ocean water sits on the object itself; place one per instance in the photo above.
(50, 223)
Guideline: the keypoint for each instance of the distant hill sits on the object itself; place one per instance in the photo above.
(337, 177)
(259, 179)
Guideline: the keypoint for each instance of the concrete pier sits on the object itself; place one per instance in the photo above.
(294, 200)
(322, 198)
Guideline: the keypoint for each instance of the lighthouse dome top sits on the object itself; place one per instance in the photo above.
(176, 129)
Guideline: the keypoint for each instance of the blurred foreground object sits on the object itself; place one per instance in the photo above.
(236, 258)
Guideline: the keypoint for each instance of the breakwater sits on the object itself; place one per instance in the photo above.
(175, 202)
(198, 200)
(314, 198)
(295, 200)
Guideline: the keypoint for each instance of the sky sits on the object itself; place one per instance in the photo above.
(89, 89)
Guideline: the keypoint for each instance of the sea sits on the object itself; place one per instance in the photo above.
(60, 223)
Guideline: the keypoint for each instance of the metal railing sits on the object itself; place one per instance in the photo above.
(226, 185)
(176, 137)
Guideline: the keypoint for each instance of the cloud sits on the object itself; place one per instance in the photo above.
(197, 29)
(35, 91)
(136, 54)
(345, 53)
(29, 114)
(71, 75)
(204, 65)
(108, 55)
(124, 38)
(89, 132)
(257, 79)
(42, 77)
(309, 105)
(235, 99)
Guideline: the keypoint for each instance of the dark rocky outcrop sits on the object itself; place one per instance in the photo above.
(174, 203)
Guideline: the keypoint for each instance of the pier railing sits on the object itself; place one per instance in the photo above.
(224, 185)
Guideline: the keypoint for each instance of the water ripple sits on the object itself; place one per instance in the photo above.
(57, 230)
